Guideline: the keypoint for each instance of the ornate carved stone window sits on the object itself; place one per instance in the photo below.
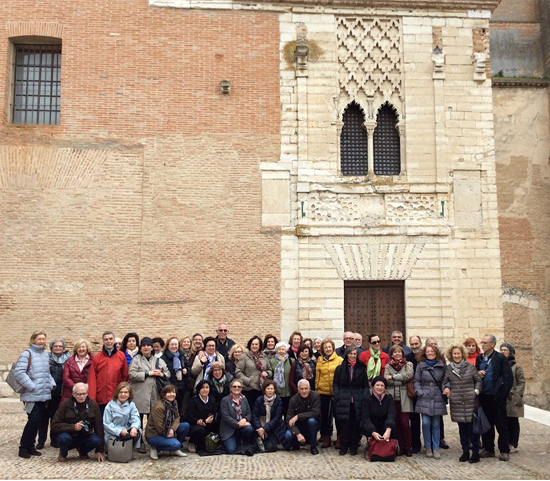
(387, 144)
(353, 142)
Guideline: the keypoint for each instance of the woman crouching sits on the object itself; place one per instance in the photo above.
(164, 432)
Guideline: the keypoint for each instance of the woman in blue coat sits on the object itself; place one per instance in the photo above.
(32, 371)
(267, 419)
(428, 382)
(121, 419)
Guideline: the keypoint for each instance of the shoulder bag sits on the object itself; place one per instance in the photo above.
(12, 382)
(161, 381)
(381, 450)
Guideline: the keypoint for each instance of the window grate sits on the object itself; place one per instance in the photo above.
(387, 148)
(353, 142)
(37, 88)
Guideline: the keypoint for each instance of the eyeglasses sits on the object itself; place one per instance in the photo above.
(349, 338)
(223, 330)
(236, 387)
(375, 342)
(80, 393)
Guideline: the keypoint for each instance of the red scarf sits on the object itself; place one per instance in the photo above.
(398, 365)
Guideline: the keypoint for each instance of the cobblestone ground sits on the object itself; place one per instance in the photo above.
(532, 462)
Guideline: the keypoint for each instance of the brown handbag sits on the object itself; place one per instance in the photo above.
(410, 389)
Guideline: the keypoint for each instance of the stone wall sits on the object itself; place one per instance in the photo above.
(522, 140)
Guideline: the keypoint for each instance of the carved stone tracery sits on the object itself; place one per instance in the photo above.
(369, 57)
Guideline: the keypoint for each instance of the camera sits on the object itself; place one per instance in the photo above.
(85, 426)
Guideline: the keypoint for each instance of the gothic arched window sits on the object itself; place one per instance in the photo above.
(353, 142)
(387, 145)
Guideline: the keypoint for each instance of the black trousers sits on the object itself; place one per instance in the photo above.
(30, 431)
(326, 415)
(496, 414)
(349, 431)
(513, 429)
(45, 422)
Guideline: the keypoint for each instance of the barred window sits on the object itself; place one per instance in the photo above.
(37, 84)
(353, 142)
(387, 146)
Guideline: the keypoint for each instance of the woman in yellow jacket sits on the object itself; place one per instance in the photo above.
(324, 375)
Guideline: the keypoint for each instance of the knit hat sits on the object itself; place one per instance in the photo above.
(379, 379)
(511, 348)
(146, 341)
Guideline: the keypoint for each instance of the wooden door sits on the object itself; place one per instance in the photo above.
(374, 307)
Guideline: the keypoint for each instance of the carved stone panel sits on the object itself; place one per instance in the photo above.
(369, 57)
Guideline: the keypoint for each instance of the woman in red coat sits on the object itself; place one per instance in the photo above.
(374, 358)
(77, 367)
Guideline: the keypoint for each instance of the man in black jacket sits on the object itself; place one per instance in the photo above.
(78, 424)
(496, 374)
(304, 415)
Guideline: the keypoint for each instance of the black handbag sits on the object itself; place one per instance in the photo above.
(480, 422)
(161, 381)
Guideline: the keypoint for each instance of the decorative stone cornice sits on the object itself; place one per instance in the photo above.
(520, 82)
(404, 5)
(397, 4)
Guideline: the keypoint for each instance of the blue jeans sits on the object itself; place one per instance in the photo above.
(245, 434)
(162, 443)
(430, 431)
(83, 442)
(308, 429)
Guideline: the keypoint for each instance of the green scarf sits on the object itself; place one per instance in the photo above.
(373, 366)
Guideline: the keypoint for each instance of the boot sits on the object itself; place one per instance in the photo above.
(337, 443)
(326, 442)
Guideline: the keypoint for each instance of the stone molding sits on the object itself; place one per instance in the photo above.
(375, 261)
(474, 6)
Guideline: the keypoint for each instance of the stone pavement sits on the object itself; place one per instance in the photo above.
(531, 462)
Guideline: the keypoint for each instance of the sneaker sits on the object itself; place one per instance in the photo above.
(192, 448)
(178, 453)
(486, 454)
(513, 449)
(429, 453)
(437, 455)
(153, 453)
(260, 444)
(465, 457)
(504, 456)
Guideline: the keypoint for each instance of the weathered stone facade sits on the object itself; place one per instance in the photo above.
(522, 139)
(164, 206)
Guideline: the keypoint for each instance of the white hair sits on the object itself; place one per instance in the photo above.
(78, 384)
(302, 381)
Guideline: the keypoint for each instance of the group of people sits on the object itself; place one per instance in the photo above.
(230, 398)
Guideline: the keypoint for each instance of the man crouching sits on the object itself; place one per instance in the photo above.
(78, 424)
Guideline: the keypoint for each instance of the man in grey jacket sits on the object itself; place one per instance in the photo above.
(304, 414)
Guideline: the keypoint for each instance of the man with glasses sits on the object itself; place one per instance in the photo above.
(349, 340)
(303, 416)
(397, 340)
(497, 380)
(78, 424)
(223, 343)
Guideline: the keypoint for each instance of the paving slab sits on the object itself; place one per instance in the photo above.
(531, 462)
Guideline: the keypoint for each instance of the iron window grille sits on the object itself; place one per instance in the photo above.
(37, 84)
(387, 145)
(353, 142)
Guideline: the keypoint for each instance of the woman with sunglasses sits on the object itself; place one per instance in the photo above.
(374, 358)
(235, 418)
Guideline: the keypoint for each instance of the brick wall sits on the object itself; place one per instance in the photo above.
(142, 210)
